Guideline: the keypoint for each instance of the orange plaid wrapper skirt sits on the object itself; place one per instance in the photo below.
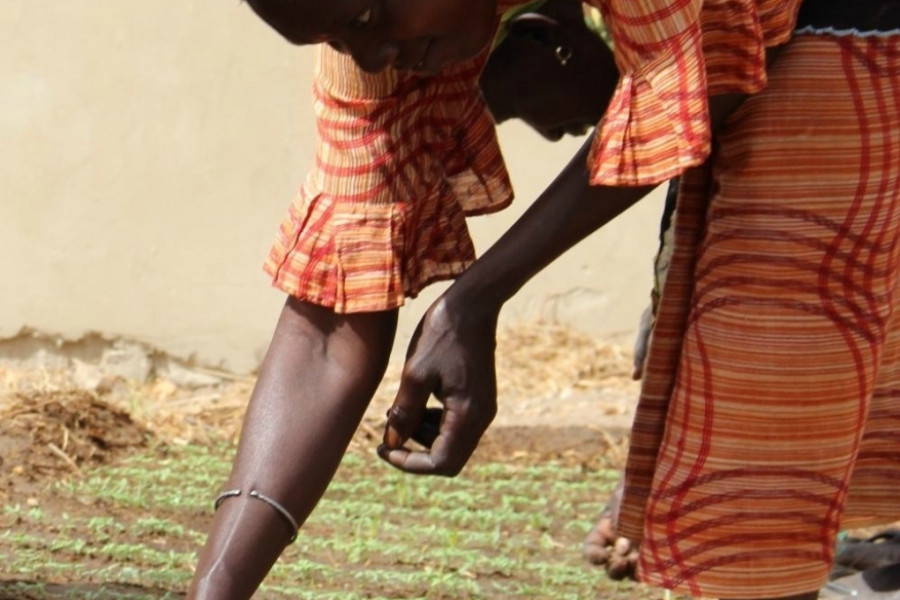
(769, 417)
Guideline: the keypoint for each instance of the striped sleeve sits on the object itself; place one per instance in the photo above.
(672, 55)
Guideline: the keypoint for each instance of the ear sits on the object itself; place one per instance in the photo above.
(537, 27)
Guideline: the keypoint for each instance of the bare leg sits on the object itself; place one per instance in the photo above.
(316, 381)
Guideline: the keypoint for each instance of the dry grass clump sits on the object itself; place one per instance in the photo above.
(542, 359)
(534, 360)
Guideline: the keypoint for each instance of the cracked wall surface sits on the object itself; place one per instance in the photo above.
(149, 152)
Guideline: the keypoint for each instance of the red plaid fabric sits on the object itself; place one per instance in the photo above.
(400, 162)
(411, 148)
(672, 55)
(769, 415)
(747, 437)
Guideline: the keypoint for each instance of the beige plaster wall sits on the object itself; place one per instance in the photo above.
(148, 153)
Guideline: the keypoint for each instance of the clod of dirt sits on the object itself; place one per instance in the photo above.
(44, 435)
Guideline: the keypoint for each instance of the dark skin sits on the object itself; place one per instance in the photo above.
(301, 417)
(451, 354)
(524, 79)
(456, 335)
(304, 408)
(402, 34)
(444, 357)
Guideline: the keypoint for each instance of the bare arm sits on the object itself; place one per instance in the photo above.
(452, 352)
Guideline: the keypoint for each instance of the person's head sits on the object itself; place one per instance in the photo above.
(418, 35)
(551, 71)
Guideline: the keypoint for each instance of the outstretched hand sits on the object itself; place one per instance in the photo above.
(451, 356)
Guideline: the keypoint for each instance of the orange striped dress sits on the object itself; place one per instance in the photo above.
(401, 161)
(769, 417)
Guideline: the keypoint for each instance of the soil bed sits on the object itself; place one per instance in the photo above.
(105, 493)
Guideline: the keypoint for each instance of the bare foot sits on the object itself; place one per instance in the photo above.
(603, 548)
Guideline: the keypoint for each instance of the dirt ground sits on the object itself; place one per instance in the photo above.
(563, 396)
